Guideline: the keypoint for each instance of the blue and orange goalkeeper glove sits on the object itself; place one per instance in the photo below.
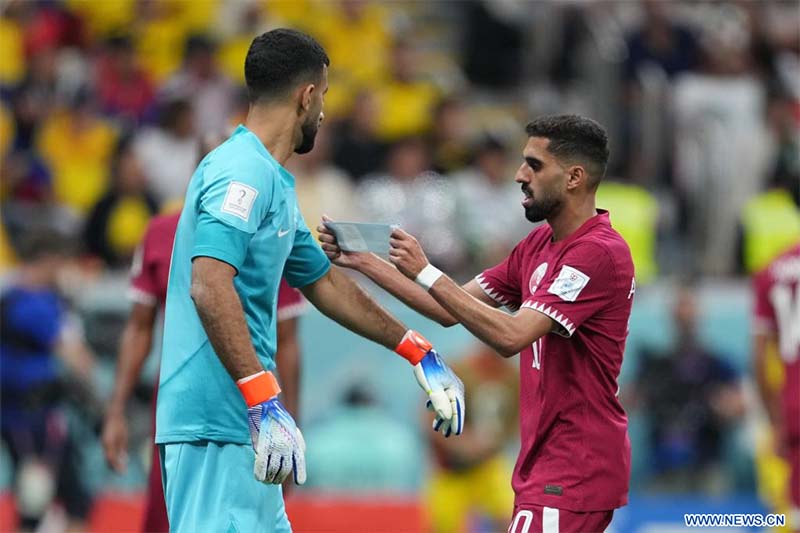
(445, 391)
(278, 443)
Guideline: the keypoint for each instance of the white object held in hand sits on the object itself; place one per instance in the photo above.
(362, 237)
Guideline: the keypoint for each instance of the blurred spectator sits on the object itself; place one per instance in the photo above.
(12, 53)
(77, 145)
(659, 49)
(118, 221)
(489, 212)
(356, 35)
(471, 477)
(692, 398)
(348, 452)
(26, 178)
(160, 37)
(492, 44)
(770, 223)
(321, 187)
(422, 202)
(124, 89)
(34, 98)
(722, 149)
(450, 137)
(38, 337)
(169, 152)
(405, 100)
(356, 148)
(201, 82)
(660, 41)
(634, 214)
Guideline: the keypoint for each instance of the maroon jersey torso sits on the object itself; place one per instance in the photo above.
(575, 452)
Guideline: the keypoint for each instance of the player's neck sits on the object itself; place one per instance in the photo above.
(274, 127)
(570, 218)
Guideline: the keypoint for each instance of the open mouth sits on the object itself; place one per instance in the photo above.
(527, 201)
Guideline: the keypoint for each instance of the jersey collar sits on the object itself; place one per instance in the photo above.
(600, 219)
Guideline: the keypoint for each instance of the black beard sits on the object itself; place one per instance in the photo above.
(543, 208)
(309, 131)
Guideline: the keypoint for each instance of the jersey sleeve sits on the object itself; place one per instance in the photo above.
(501, 282)
(583, 282)
(306, 262)
(238, 194)
(143, 288)
(763, 312)
(231, 208)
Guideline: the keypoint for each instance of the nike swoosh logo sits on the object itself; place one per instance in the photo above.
(281, 233)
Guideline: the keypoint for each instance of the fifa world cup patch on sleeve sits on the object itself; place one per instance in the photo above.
(239, 200)
(569, 283)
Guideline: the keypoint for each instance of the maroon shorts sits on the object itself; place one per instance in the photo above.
(539, 519)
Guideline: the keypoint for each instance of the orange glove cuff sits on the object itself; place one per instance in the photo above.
(258, 388)
(413, 347)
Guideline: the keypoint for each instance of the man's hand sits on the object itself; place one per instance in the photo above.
(330, 246)
(406, 253)
(445, 391)
(278, 443)
(115, 441)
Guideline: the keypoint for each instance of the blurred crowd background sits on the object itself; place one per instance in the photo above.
(106, 107)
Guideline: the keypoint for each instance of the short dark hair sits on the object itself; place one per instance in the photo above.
(574, 138)
(278, 60)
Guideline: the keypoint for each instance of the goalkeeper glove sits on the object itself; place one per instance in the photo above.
(278, 443)
(445, 391)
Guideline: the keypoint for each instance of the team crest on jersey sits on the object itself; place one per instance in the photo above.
(569, 284)
(537, 277)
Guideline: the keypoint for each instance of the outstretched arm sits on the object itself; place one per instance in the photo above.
(342, 300)
(390, 279)
(508, 334)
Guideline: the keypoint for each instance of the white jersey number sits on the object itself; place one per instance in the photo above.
(785, 301)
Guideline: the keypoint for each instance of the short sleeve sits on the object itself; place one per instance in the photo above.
(583, 282)
(214, 238)
(306, 262)
(501, 282)
(239, 196)
(143, 287)
(763, 312)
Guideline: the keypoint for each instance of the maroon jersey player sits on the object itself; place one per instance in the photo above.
(148, 291)
(570, 287)
(777, 321)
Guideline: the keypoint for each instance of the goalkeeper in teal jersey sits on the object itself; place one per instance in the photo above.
(226, 443)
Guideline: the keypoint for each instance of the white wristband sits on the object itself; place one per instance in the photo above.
(428, 276)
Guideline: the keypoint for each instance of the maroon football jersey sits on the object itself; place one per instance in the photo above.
(575, 452)
(777, 311)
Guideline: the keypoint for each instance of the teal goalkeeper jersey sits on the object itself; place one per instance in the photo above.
(240, 208)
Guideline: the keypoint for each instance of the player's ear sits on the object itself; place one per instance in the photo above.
(306, 96)
(577, 176)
